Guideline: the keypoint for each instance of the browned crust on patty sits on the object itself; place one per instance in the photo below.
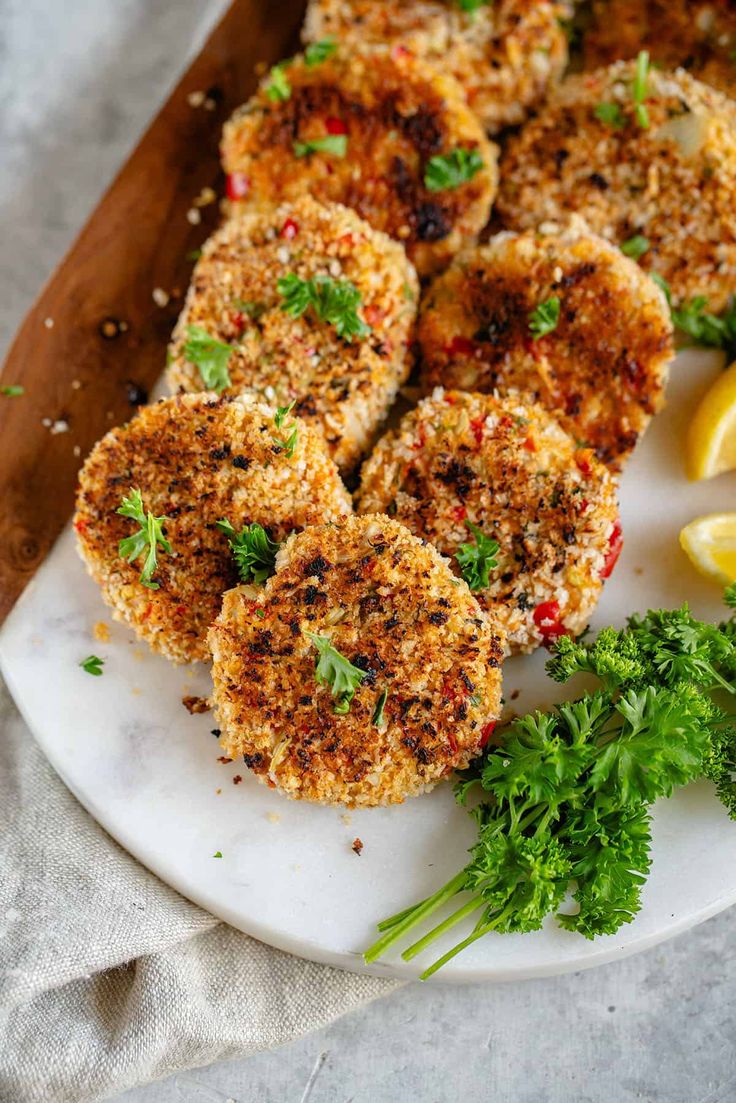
(392, 607)
(195, 459)
(398, 113)
(604, 367)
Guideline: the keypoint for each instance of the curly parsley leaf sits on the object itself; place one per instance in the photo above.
(451, 170)
(253, 550)
(278, 88)
(545, 318)
(333, 301)
(336, 672)
(336, 144)
(147, 539)
(711, 330)
(478, 559)
(93, 665)
(210, 356)
(317, 52)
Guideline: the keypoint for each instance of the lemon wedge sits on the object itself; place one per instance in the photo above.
(710, 544)
(711, 438)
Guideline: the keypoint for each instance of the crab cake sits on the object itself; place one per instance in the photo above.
(377, 130)
(671, 183)
(699, 35)
(603, 366)
(194, 460)
(344, 385)
(464, 469)
(361, 674)
(505, 55)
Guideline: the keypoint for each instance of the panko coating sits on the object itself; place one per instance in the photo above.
(344, 387)
(671, 182)
(699, 35)
(391, 607)
(505, 55)
(365, 127)
(506, 467)
(602, 369)
(195, 459)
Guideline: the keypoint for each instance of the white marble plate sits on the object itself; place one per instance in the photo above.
(149, 772)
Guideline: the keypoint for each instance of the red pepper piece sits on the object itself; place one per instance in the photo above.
(460, 346)
(487, 731)
(290, 229)
(546, 616)
(477, 425)
(335, 125)
(237, 185)
(583, 458)
(615, 545)
(459, 513)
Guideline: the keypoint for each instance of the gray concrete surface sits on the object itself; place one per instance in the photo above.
(78, 82)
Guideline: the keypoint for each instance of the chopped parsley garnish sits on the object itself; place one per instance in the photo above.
(278, 88)
(286, 444)
(640, 89)
(635, 247)
(544, 318)
(336, 144)
(450, 170)
(565, 797)
(317, 52)
(477, 560)
(253, 550)
(707, 329)
(333, 301)
(217, 854)
(12, 390)
(148, 538)
(93, 665)
(610, 114)
(472, 5)
(210, 356)
(337, 672)
(378, 720)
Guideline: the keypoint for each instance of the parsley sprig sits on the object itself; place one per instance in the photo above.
(210, 356)
(333, 301)
(545, 318)
(478, 559)
(253, 550)
(317, 52)
(564, 802)
(711, 330)
(148, 538)
(450, 170)
(286, 443)
(337, 672)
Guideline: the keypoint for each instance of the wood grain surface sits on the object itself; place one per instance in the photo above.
(94, 342)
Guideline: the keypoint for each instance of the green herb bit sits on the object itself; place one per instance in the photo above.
(477, 560)
(317, 52)
(378, 718)
(636, 246)
(450, 170)
(337, 672)
(195, 254)
(253, 550)
(286, 444)
(333, 301)
(545, 318)
(336, 144)
(610, 114)
(148, 539)
(707, 329)
(250, 308)
(472, 5)
(93, 665)
(662, 284)
(640, 89)
(12, 390)
(217, 854)
(278, 88)
(210, 356)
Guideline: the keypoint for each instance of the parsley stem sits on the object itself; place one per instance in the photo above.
(456, 917)
(416, 915)
(392, 920)
(479, 932)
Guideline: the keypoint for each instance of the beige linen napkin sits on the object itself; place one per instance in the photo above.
(108, 978)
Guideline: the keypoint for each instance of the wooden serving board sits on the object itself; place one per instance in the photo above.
(95, 340)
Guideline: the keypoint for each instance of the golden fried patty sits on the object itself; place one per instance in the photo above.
(345, 387)
(505, 54)
(699, 35)
(391, 607)
(603, 366)
(672, 182)
(195, 459)
(361, 128)
(506, 467)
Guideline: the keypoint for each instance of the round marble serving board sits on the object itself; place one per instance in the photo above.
(149, 772)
